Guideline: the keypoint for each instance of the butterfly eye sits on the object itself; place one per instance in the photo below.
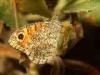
(20, 36)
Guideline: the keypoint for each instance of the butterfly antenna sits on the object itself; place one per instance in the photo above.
(15, 14)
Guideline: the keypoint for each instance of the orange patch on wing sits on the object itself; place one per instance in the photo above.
(29, 31)
(25, 40)
(35, 27)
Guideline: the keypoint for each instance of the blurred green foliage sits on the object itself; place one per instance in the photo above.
(96, 15)
(6, 12)
(33, 6)
(82, 5)
(39, 7)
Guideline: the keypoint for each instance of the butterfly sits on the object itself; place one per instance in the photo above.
(43, 41)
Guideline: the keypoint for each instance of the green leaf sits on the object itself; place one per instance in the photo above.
(60, 6)
(33, 6)
(6, 12)
(96, 15)
(82, 5)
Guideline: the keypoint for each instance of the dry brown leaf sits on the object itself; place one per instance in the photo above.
(7, 51)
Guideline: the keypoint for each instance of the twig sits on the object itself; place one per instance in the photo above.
(75, 64)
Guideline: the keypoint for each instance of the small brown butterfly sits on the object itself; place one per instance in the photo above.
(42, 42)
